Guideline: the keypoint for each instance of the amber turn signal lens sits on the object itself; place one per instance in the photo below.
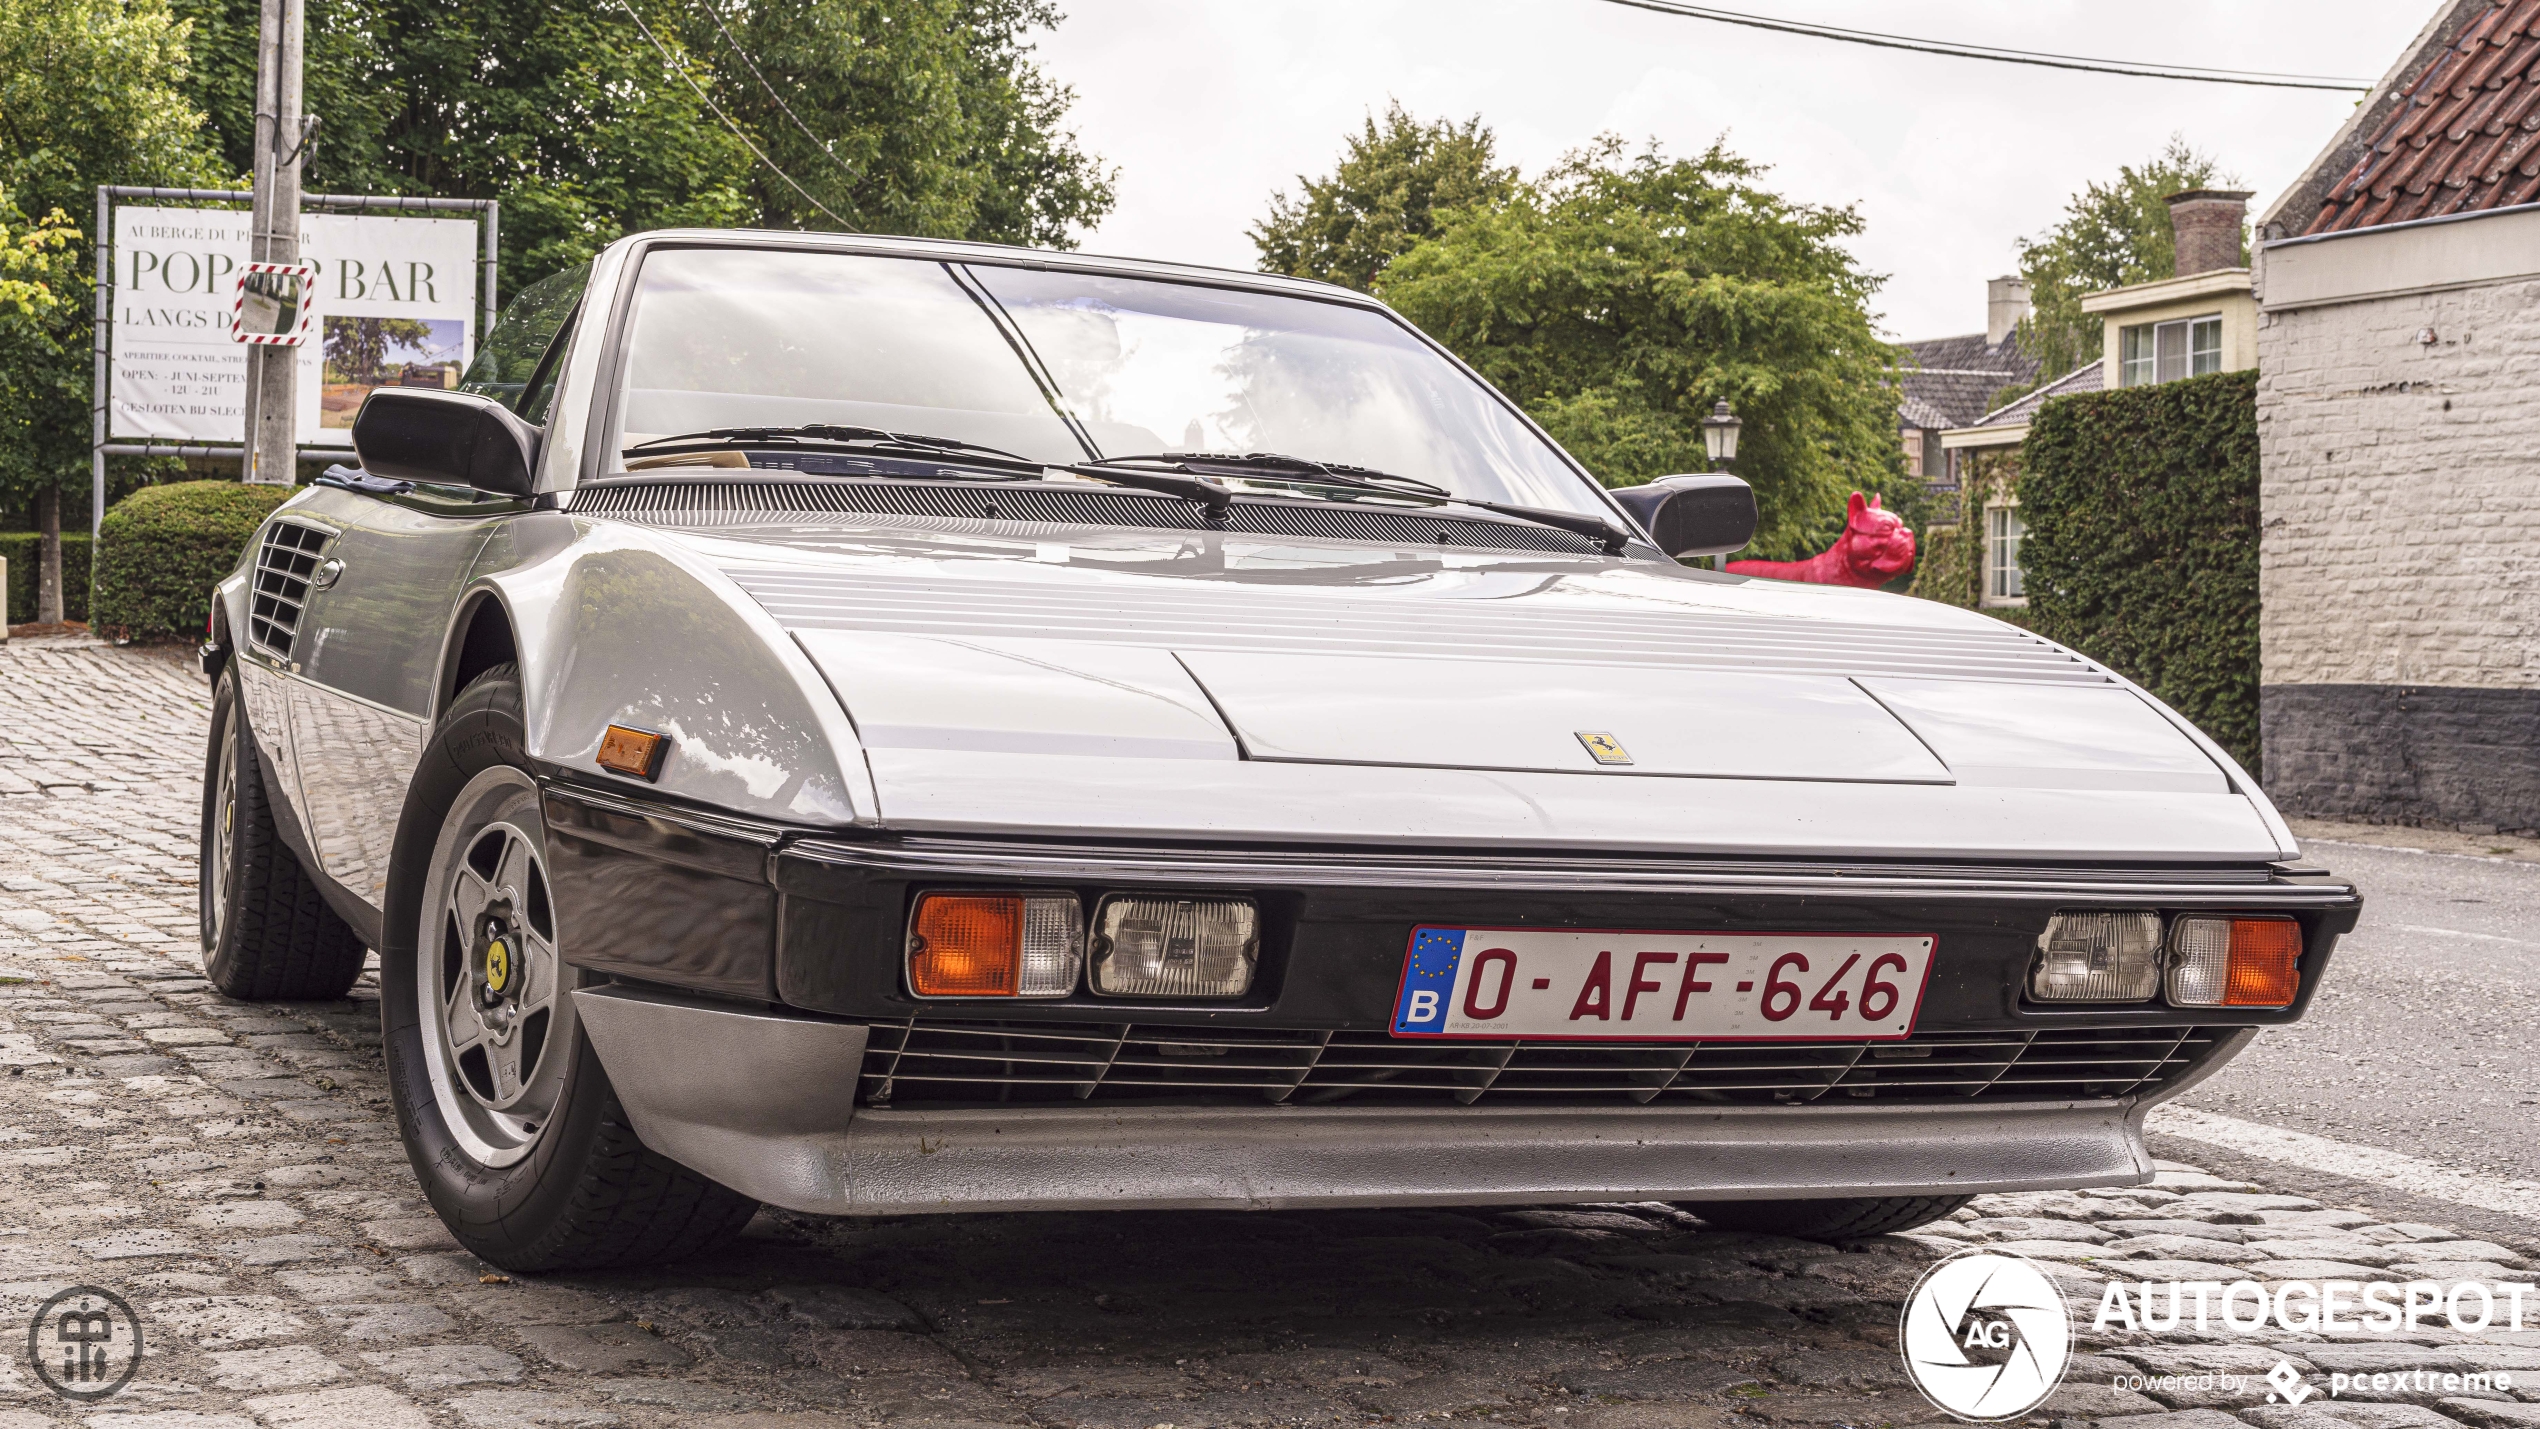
(635, 753)
(2235, 962)
(965, 945)
(2263, 954)
(995, 944)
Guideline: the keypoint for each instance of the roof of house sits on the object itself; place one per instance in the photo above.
(1950, 381)
(2465, 136)
(2091, 377)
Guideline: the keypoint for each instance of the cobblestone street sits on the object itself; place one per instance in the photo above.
(234, 1172)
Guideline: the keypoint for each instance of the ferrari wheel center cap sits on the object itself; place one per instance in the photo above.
(496, 964)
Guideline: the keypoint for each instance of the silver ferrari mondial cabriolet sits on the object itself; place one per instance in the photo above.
(875, 726)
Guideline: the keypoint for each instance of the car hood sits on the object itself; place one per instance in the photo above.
(1190, 683)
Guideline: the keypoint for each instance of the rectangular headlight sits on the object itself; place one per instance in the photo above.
(2235, 962)
(1174, 947)
(995, 944)
(2098, 957)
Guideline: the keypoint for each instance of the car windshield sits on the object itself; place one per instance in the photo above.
(729, 338)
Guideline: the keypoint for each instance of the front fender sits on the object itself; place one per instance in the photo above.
(616, 627)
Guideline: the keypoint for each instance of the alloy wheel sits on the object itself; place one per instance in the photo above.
(224, 835)
(489, 980)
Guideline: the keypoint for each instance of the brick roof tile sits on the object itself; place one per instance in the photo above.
(2479, 115)
(2479, 162)
(2462, 140)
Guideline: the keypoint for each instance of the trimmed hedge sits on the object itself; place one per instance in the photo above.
(22, 550)
(2142, 545)
(163, 548)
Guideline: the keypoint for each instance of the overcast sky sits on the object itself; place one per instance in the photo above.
(1207, 106)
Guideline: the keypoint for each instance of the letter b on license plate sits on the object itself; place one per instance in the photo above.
(1568, 985)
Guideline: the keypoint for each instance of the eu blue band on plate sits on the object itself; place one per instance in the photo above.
(1428, 980)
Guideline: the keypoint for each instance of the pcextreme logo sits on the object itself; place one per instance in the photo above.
(1986, 1336)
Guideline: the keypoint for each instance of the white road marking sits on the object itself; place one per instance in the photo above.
(2459, 933)
(2420, 852)
(2412, 1174)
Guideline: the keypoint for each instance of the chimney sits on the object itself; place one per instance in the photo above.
(2206, 224)
(2005, 303)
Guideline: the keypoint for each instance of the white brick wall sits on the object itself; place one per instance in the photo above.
(2400, 485)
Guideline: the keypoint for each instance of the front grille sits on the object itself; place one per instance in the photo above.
(939, 1062)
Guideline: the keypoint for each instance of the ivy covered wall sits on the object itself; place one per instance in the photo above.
(1949, 566)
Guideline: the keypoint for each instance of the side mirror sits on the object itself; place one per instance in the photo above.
(452, 438)
(1710, 514)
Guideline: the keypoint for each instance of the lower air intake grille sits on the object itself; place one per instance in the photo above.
(939, 1062)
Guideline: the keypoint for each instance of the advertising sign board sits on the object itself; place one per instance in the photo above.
(395, 300)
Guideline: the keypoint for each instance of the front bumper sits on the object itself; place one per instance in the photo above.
(758, 1029)
(764, 1103)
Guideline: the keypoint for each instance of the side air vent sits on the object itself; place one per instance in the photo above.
(283, 563)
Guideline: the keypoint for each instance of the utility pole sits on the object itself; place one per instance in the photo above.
(281, 142)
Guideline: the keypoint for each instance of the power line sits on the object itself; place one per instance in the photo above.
(761, 155)
(2194, 74)
(817, 142)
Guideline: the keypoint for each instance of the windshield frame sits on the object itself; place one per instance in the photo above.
(608, 386)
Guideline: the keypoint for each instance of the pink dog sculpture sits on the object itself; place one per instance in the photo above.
(1876, 547)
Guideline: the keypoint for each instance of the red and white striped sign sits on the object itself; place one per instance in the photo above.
(247, 273)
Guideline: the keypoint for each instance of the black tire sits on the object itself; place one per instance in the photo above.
(1844, 1219)
(584, 1192)
(267, 930)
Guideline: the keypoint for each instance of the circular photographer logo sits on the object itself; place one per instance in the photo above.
(85, 1343)
(1986, 1336)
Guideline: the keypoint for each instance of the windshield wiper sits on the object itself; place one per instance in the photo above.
(1175, 481)
(859, 438)
(1596, 528)
(1322, 473)
(1360, 478)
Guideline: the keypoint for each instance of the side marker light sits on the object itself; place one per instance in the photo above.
(635, 753)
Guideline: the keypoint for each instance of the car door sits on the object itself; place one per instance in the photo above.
(369, 648)
(379, 606)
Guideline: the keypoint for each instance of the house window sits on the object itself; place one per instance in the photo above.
(2165, 352)
(2002, 583)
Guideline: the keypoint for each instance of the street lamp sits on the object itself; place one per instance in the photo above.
(1719, 434)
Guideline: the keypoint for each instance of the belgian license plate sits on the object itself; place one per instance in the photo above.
(1569, 985)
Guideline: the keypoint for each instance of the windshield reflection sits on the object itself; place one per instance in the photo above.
(1062, 367)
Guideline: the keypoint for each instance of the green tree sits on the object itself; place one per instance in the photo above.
(89, 94)
(593, 121)
(1387, 192)
(1621, 295)
(34, 260)
(2112, 235)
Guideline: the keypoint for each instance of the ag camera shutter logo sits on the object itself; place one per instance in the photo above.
(1986, 1336)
